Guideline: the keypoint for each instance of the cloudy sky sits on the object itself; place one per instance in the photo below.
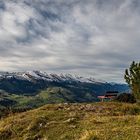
(97, 38)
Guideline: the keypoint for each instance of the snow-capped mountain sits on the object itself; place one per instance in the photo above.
(32, 82)
(39, 75)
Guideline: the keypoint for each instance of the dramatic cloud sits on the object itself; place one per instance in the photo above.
(96, 38)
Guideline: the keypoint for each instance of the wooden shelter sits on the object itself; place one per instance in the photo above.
(109, 95)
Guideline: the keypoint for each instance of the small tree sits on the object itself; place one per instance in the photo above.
(132, 77)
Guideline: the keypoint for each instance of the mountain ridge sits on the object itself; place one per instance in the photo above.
(27, 75)
(36, 88)
(36, 80)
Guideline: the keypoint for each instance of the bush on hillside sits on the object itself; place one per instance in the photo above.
(126, 97)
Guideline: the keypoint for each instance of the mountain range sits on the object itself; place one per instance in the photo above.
(36, 88)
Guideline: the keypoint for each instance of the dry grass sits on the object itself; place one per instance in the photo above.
(97, 121)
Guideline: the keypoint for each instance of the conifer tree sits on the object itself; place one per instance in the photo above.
(132, 77)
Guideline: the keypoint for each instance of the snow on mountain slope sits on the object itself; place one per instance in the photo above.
(39, 75)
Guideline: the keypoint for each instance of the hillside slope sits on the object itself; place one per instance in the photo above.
(34, 88)
(97, 121)
(50, 95)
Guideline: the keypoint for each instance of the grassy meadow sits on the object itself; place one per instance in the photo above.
(93, 121)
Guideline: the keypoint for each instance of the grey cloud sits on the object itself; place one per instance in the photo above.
(93, 38)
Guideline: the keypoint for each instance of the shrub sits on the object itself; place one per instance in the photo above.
(126, 97)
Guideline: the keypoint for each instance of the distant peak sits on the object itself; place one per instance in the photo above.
(40, 75)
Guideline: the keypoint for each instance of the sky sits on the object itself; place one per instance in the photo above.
(94, 38)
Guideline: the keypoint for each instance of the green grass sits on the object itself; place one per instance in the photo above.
(51, 95)
(97, 121)
(47, 96)
(21, 99)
